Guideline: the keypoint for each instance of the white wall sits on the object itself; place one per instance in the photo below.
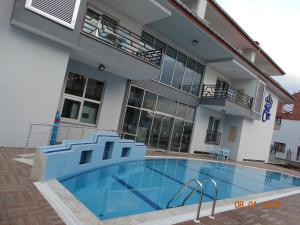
(32, 74)
(249, 86)
(211, 76)
(288, 134)
(257, 135)
(200, 127)
(233, 146)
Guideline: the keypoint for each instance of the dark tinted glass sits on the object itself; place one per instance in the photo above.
(135, 97)
(166, 105)
(179, 70)
(168, 65)
(131, 120)
(89, 112)
(75, 84)
(70, 109)
(149, 100)
(188, 75)
(94, 89)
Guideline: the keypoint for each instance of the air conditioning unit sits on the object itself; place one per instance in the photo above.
(63, 12)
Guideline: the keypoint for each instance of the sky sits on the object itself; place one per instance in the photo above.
(275, 24)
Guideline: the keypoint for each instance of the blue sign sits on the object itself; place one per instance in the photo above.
(266, 115)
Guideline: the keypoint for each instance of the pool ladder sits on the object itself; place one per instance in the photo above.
(199, 187)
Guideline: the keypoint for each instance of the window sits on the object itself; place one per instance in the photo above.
(85, 157)
(277, 124)
(125, 152)
(287, 108)
(279, 147)
(81, 99)
(158, 121)
(212, 135)
(108, 148)
(213, 124)
(178, 70)
(259, 97)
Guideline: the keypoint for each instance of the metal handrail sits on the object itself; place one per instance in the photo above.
(200, 186)
(228, 92)
(66, 134)
(187, 184)
(120, 37)
(212, 214)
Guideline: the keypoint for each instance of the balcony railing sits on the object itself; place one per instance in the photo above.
(111, 33)
(229, 93)
(213, 137)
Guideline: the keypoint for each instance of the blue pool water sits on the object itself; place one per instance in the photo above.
(143, 186)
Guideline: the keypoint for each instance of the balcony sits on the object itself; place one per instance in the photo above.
(110, 33)
(227, 100)
(213, 137)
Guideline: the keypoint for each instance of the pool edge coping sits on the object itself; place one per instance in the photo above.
(73, 212)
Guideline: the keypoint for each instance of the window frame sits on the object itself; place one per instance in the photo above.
(81, 99)
(281, 145)
(155, 112)
(173, 72)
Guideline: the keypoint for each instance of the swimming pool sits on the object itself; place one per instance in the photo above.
(144, 186)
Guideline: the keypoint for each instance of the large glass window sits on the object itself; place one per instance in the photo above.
(136, 97)
(143, 132)
(197, 79)
(131, 120)
(188, 75)
(186, 137)
(168, 65)
(177, 134)
(81, 100)
(166, 105)
(177, 70)
(158, 121)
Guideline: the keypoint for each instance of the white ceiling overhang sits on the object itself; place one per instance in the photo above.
(232, 69)
(142, 11)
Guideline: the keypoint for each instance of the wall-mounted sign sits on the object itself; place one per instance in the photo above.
(266, 115)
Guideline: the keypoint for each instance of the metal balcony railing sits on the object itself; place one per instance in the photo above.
(229, 93)
(109, 32)
(213, 137)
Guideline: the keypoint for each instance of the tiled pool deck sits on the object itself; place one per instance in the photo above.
(22, 204)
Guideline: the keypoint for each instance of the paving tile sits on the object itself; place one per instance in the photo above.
(20, 202)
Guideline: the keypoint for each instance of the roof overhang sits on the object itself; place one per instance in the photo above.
(228, 27)
(217, 45)
(142, 11)
(233, 69)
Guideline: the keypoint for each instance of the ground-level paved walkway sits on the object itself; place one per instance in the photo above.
(20, 202)
(263, 214)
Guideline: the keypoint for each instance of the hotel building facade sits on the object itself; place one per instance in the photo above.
(176, 75)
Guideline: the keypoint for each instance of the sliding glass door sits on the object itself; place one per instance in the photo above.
(158, 121)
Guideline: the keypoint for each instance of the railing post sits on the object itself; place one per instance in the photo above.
(82, 131)
(28, 138)
(67, 138)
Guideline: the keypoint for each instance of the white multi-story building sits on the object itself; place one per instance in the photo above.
(176, 75)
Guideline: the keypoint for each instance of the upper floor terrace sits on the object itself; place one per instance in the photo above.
(110, 32)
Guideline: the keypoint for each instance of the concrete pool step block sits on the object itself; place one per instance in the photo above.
(77, 156)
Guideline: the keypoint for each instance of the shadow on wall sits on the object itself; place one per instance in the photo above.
(73, 157)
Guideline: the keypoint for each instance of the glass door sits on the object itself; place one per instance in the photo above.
(165, 132)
